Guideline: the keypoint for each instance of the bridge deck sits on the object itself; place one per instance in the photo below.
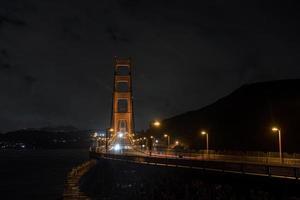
(277, 170)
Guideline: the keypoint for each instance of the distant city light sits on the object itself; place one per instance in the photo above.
(177, 142)
(120, 135)
(156, 141)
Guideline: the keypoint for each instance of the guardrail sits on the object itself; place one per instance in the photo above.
(257, 169)
(248, 156)
(234, 156)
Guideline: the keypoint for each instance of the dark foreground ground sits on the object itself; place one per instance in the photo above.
(121, 180)
(36, 174)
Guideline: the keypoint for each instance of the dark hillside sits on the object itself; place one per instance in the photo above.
(243, 119)
(46, 138)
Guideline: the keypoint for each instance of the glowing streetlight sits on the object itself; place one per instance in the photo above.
(120, 135)
(156, 141)
(168, 137)
(205, 133)
(156, 123)
(117, 147)
(177, 142)
(275, 129)
(106, 137)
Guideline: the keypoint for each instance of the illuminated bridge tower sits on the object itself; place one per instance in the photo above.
(122, 108)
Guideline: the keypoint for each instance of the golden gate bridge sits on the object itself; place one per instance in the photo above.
(119, 142)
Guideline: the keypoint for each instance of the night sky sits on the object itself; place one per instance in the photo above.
(56, 55)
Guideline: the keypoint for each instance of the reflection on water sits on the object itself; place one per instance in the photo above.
(37, 174)
(72, 185)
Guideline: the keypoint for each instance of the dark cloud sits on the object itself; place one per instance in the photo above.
(4, 53)
(4, 59)
(13, 21)
(117, 35)
(6, 66)
(56, 56)
(71, 28)
(30, 79)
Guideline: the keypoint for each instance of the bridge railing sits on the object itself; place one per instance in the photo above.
(233, 156)
(258, 169)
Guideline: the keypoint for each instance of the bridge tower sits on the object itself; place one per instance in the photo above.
(122, 108)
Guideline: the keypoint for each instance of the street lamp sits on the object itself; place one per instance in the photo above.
(152, 141)
(156, 123)
(106, 138)
(95, 141)
(275, 129)
(168, 137)
(205, 133)
(177, 142)
(146, 141)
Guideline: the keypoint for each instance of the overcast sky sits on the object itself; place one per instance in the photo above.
(56, 55)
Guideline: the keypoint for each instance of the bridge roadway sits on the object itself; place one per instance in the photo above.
(255, 166)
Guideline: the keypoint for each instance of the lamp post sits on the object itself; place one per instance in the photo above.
(156, 123)
(275, 129)
(168, 138)
(205, 133)
(95, 142)
(106, 138)
(145, 141)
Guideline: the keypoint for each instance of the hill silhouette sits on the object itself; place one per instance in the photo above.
(243, 119)
(47, 138)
